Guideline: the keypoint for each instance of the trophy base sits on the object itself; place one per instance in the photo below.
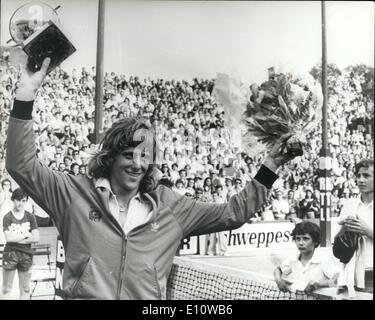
(295, 149)
(47, 42)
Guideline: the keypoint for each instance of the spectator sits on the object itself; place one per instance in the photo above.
(82, 169)
(309, 206)
(335, 210)
(309, 269)
(357, 215)
(280, 206)
(179, 187)
(293, 205)
(199, 194)
(74, 169)
(20, 230)
(217, 241)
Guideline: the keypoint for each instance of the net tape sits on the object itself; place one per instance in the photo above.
(192, 280)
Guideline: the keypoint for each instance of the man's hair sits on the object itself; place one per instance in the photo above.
(119, 137)
(366, 163)
(310, 228)
(19, 194)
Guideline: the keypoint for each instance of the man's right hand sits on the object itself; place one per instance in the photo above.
(30, 82)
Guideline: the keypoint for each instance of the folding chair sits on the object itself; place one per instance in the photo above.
(48, 276)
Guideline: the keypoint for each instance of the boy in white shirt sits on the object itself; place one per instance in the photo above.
(309, 269)
(357, 215)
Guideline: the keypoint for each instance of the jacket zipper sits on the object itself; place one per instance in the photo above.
(123, 253)
(157, 282)
(122, 267)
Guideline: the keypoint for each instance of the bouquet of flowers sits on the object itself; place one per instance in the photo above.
(286, 103)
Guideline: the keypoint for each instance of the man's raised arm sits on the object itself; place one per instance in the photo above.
(44, 186)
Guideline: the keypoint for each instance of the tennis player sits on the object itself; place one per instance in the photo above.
(121, 231)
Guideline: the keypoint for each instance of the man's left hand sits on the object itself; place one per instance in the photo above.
(278, 155)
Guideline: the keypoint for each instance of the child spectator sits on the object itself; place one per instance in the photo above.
(309, 269)
(20, 230)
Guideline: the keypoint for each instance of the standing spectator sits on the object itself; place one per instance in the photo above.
(309, 205)
(293, 205)
(335, 210)
(357, 215)
(280, 206)
(20, 230)
(5, 203)
(217, 241)
(5, 194)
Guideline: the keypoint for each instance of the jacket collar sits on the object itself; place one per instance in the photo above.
(104, 183)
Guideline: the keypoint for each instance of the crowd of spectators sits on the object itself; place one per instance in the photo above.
(198, 156)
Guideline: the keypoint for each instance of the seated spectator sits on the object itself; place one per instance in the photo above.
(199, 194)
(179, 187)
(190, 186)
(82, 169)
(74, 169)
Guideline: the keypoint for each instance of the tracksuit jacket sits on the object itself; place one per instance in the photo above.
(101, 262)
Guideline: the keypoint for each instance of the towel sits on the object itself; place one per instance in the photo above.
(352, 274)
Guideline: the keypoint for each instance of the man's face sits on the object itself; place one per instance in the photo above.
(365, 180)
(128, 170)
(19, 204)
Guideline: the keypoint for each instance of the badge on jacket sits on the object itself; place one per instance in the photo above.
(154, 226)
(95, 215)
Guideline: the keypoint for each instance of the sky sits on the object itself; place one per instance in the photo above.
(187, 39)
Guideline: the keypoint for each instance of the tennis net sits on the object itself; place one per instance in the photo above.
(197, 280)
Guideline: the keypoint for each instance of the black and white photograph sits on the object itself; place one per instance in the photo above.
(211, 151)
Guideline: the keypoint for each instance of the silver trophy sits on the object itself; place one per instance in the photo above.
(35, 28)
